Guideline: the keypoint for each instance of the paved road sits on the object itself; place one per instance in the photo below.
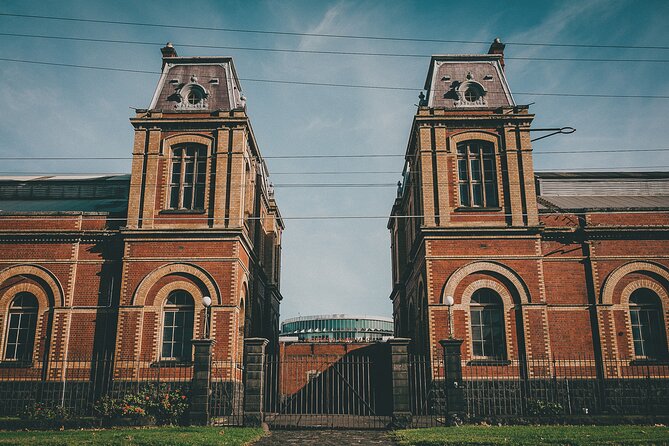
(326, 438)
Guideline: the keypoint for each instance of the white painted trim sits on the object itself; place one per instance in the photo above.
(159, 88)
(435, 68)
(505, 84)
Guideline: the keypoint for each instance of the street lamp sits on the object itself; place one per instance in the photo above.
(206, 301)
(449, 303)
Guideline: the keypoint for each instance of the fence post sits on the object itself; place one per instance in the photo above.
(201, 382)
(455, 398)
(399, 358)
(254, 388)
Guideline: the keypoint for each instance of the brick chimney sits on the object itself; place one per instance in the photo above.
(497, 47)
(168, 52)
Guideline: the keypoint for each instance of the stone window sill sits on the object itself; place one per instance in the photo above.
(477, 209)
(171, 363)
(484, 361)
(182, 211)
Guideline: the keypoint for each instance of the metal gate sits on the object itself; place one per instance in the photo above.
(352, 391)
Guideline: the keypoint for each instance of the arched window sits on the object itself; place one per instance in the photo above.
(178, 326)
(21, 326)
(476, 174)
(647, 325)
(487, 323)
(188, 177)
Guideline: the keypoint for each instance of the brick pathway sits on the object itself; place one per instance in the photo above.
(326, 438)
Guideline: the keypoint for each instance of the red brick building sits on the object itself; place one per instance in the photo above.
(539, 265)
(120, 264)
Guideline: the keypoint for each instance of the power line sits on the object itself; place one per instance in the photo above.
(340, 172)
(324, 35)
(326, 156)
(323, 52)
(240, 186)
(329, 84)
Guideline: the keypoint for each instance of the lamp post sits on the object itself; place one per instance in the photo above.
(206, 301)
(449, 303)
(452, 366)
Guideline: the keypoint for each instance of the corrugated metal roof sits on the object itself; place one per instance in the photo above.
(58, 193)
(112, 206)
(64, 187)
(583, 175)
(602, 183)
(584, 202)
(68, 177)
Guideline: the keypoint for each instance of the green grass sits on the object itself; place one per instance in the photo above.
(532, 435)
(168, 436)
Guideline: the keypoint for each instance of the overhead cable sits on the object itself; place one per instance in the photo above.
(327, 35)
(323, 52)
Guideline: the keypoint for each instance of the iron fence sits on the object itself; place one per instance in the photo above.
(540, 387)
(78, 384)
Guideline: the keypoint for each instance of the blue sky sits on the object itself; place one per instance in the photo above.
(334, 265)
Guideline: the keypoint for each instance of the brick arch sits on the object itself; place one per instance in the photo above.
(36, 290)
(632, 267)
(45, 277)
(187, 269)
(182, 138)
(651, 285)
(468, 135)
(507, 299)
(487, 267)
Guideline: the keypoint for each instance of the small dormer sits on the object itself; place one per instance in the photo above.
(192, 96)
(469, 93)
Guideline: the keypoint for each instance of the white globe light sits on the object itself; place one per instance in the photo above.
(449, 300)
(206, 301)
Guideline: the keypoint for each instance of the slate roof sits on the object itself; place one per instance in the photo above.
(447, 72)
(216, 75)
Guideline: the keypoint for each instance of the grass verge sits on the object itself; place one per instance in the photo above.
(532, 435)
(167, 436)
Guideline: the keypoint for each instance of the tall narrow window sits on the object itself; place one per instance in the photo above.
(476, 174)
(178, 326)
(21, 327)
(188, 177)
(487, 321)
(647, 325)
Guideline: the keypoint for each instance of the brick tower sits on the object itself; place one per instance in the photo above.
(536, 265)
(202, 219)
